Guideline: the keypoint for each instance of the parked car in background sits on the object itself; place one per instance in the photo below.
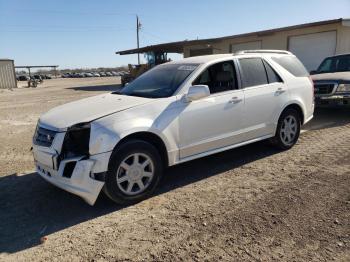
(122, 141)
(38, 78)
(45, 76)
(88, 74)
(23, 78)
(67, 75)
(332, 81)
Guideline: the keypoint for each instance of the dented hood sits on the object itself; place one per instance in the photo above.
(89, 109)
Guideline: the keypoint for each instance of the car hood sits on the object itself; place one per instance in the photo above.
(89, 109)
(337, 76)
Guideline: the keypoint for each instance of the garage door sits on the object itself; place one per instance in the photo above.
(311, 49)
(255, 45)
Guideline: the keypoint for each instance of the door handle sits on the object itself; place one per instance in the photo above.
(280, 90)
(235, 100)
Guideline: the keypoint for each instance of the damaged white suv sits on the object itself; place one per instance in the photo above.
(121, 142)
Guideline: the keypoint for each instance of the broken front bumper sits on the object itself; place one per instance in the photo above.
(75, 175)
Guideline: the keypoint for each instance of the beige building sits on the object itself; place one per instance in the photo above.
(311, 42)
(7, 74)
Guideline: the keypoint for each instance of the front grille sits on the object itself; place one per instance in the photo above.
(324, 89)
(43, 136)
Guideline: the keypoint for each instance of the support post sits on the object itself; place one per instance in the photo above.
(137, 34)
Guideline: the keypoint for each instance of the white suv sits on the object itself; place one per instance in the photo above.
(121, 142)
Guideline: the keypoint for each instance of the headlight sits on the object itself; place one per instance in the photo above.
(343, 88)
(76, 140)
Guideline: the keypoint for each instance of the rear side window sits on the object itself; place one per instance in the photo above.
(292, 65)
(272, 76)
(253, 72)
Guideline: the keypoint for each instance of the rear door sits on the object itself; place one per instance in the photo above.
(265, 94)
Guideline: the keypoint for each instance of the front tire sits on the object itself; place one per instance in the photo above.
(134, 171)
(288, 130)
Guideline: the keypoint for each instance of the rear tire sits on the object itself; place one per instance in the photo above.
(288, 130)
(134, 171)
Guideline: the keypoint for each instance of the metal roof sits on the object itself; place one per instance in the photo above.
(36, 66)
(173, 47)
(178, 47)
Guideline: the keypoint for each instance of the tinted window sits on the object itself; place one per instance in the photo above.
(219, 77)
(161, 81)
(204, 78)
(335, 64)
(253, 72)
(272, 76)
(292, 65)
(326, 66)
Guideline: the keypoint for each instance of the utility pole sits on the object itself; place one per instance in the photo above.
(138, 27)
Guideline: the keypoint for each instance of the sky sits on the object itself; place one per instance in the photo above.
(87, 33)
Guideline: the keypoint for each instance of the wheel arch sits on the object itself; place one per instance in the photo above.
(151, 138)
(296, 106)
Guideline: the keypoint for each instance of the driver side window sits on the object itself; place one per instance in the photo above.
(219, 77)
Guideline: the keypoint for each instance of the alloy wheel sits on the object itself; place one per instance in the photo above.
(135, 174)
(289, 129)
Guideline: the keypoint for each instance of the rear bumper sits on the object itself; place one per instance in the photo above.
(308, 119)
(334, 100)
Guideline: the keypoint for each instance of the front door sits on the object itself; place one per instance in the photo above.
(215, 121)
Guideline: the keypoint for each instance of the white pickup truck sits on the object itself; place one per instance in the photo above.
(332, 81)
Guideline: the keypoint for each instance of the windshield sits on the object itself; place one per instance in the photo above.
(335, 64)
(161, 81)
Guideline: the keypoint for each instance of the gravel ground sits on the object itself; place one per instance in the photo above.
(248, 204)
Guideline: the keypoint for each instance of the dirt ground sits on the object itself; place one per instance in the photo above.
(248, 204)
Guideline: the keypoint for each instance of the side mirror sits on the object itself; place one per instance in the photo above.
(197, 92)
(313, 72)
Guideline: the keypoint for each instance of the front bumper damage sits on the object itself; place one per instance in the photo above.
(76, 175)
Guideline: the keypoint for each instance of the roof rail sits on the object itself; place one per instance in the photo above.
(262, 51)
